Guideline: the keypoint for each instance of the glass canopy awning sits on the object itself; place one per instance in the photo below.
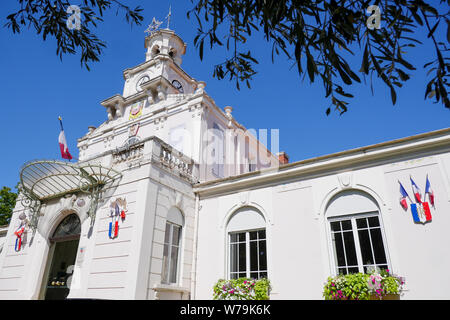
(49, 179)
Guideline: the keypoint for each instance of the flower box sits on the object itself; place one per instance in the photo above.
(376, 285)
(242, 289)
(385, 297)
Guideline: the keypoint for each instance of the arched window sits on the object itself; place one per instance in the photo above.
(172, 245)
(155, 51)
(69, 227)
(172, 53)
(247, 248)
(356, 233)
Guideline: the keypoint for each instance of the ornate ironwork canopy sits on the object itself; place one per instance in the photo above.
(49, 179)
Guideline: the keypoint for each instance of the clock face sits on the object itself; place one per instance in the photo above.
(141, 81)
(177, 85)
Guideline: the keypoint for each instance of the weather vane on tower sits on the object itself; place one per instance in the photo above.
(154, 26)
(168, 17)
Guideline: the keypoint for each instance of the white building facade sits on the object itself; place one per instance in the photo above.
(338, 213)
(171, 194)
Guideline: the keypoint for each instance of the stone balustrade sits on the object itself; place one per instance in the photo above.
(177, 162)
(160, 153)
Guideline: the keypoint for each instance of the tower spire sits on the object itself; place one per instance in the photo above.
(168, 17)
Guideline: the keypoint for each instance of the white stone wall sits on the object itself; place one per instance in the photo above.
(3, 231)
(171, 193)
(127, 267)
(299, 251)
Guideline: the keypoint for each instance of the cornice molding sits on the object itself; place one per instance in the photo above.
(364, 156)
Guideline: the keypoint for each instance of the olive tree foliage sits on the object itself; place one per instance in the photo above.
(320, 36)
(7, 203)
(49, 19)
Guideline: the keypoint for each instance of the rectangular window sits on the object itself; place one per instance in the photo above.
(171, 253)
(357, 244)
(248, 255)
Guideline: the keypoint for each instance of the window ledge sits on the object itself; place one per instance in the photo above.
(170, 288)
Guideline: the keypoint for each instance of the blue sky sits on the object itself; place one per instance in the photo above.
(36, 87)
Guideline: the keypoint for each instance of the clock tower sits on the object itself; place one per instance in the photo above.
(163, 59)
(160, 99)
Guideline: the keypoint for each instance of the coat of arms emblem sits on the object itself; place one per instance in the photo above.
(136, 110)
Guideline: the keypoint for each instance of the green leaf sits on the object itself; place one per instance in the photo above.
(311, 65)
(403, 76)
(393, 95)
(433, 29)
(200, 49)
(365, 61)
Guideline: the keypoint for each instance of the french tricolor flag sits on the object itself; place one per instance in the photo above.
(403, 197)
(429, 191)
(416, 190)
(19, 232)
(63, 143)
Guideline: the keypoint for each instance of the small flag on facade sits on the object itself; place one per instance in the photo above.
(429, 191)
(63, 143)
(19, 232)
(416, 190)
(403, 197)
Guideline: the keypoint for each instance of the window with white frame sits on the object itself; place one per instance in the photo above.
(358, 243)
(247, 244)
(357, 239)
(172, 245)
(248, 254)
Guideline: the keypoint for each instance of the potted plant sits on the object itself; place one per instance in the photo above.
(385, 286)
(375, 285)
(242, 289)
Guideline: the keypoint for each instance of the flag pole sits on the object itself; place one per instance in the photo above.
(60, 122)
(62, 128)
(405, 191)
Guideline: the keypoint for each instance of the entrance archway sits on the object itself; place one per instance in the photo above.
(62, 254)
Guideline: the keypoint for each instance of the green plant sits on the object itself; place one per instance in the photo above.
(7, 203)
(242, 289)
(262, 289)
(361, 286)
